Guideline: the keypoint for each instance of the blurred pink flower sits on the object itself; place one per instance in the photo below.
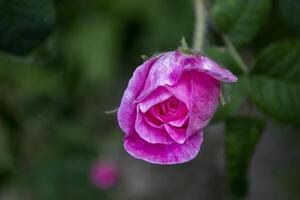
(104, 174)
(169, 100)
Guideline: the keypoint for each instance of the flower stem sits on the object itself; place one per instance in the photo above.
(200, 25)
(234, 53)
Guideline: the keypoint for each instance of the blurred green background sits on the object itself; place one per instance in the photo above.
(64, 63)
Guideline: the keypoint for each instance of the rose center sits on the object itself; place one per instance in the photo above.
(168, 110)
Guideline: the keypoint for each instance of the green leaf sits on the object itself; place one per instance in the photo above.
(275, 82)
(289, 11)
(24, 24)
(242, 135)
(240, 19)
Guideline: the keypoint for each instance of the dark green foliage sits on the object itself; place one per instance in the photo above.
(275, 82)
(24, 24)
(52, 102)
(241, 137)
(240, 19)
(289, 11)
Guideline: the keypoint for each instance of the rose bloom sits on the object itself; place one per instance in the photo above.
(104, 174)
(169, 100)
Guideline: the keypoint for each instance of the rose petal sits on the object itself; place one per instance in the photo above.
(159, 95)
(151, 134)
(152, 120)
(163, 154)
(127, 109)
(177, 134)
(179, 122)
(204, 64)
(182, 90)
(205, 99)
(165, 71)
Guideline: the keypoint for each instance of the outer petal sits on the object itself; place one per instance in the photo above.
(204, 64)
(167, 70)
(127, 109)
(163, 154)
(151, 134)
(205, 99)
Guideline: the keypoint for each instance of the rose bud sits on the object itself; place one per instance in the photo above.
(168, 102)
(104, 174)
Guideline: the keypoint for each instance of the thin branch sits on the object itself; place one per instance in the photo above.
(200, 25)
(235, 55)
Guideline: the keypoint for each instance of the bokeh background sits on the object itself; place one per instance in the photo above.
(53, 99)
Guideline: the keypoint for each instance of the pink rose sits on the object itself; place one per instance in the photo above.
(104, 174)
(168, 101)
